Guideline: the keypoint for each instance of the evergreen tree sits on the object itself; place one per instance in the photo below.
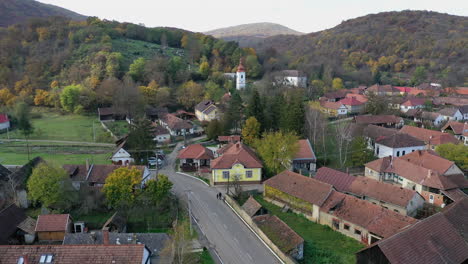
(255, 108)
(140, 139)
(233, 116)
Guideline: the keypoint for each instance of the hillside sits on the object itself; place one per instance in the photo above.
(249, 32)
(389, 45)
(18, 11)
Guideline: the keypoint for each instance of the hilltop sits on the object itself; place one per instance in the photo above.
(18, 11)
(390, 43)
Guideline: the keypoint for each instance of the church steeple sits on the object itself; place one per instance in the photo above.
(240, 76)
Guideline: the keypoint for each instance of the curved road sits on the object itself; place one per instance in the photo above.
(227, 234)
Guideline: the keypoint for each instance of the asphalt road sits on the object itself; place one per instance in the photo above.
(226, 233)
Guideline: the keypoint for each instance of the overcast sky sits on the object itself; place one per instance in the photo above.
(202, 15)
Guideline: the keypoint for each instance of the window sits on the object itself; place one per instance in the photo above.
(225, 174)
(336, 224)
(378, 150)
(346, 227)
(357, 231)
(249, 174)
(396, 210)
(403, 153)
(46, 258)
(398, 153)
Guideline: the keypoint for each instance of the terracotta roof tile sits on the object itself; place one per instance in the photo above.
(414, 102)
(173, 122)
(251, 206)
(358, 97)
(456, 127)
(52, 222)
(431, 137)
(457, 101)
(331, 105)
(302, 187)
(285, 238)
(351, 100)
(237, 153)
(305, 150)
(429, 160)
(388, 193)
(233, 138)
(338, 179)
(72, 254)
(374, 132)
(399, 141)
(195, 151)
(376, 219)
(4, 118)
(378, 119)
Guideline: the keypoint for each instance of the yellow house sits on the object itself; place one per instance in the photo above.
(206, 111)
(237, 163)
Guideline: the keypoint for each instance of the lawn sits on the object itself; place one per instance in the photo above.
(15, 153)
(118, 128)
(50, 124)
(322, 244)
(94, 220)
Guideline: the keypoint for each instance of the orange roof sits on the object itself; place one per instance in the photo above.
(338, 179)
(376, 219)
(302, 187)
(456, 127)
(414, 102)
(52, 222)
(331, 105)
(457, 90)
(195, 151)
(358, 97)
(305, 150)
(351, 100)
(429, 160)
(431, 137)
(237, 153)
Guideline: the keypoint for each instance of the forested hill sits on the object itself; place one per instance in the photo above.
(385, 45)
(18, 11)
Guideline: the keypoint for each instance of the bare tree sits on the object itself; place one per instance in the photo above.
(315, 121)
(183, 244)
(343, 139)
(13, 183)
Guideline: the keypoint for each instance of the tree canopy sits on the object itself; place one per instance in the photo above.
(122, 187)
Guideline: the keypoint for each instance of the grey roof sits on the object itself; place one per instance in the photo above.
(374, 132)
(22, 174)
(155, 242)
(400, 141)
(429, 115)
(10, 218)
(204, 105)
(4, 172)
(448, 111)
(463, 109)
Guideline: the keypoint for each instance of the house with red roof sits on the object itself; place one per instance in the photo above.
(238, 163)
(53, 227)
(459, 130)
(304, 161)
(4, 122)
(332, 108)
(432, 138)
(195, 157)
(353, 105)
(412, 103)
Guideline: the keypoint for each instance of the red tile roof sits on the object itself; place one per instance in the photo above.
(359, 97)
(414, 102)
(399, 140)
(302, 187)
(386, 192)
(440, 238)
(305, 150)
(374, 218)
(378, 119)
(351, 101)
(233, 138)
(4, 118)
(173, 122)
(52, 222)
(338, 179)
(195, 151)
(284, 237)
(429, 160)
(73, 254)
(457, 90)
(237, 153)
(251, 206)
(456, 127)
(331, 105)
(404, 89)
(431, 137)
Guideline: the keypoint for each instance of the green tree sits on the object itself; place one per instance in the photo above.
(122, 187)
(213, 91)
(205, 69)
(255, 108)
(70, 97)
(49, 185)
(140, 139)
(419, 75)
(158, 190)
(277, 149)
(254, 69)
(292, 113)
(214, 129)
(137, 69)
(337, 84)
(251, 130)
(189, 94)
(376, 104)
(456, 153)
(233, 115)
(360, 154)
(23, 117)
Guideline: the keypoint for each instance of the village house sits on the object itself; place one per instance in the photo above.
(432, 138)
(372, 132)
(121, 156)
(357, 96)
(292, 78)
(16, 227)
(161, 135)
(459, 130)
(397, 145)
(353, 105)
(287, 240)
(110, 114)
(335, 96)
(95, 175)
(195, 157)
(404, 90)
(335, 109)
(451, 114)
(464, 111)
(339, 180)
(176, 126)
(304, 161)
(4, 122)
(430, 118)
(457, 91)
(395, 198)
(455, 101)
(206, 111)
(380, 120)
(383, 90)
(412, 103)
(238, 163)
(438, 180)
(319, 202)
(440, 238)
(53, 227)
(99, 254)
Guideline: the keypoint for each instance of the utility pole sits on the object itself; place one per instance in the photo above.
(94, 133)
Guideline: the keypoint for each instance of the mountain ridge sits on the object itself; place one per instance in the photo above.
(258, 30)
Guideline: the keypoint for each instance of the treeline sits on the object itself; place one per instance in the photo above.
(386, 48)
(42, 57)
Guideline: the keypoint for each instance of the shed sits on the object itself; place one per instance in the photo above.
(53, 227)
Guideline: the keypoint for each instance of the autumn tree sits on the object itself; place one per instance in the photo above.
(7, 98)
(360, 154)
(122, 187)
(251, 130)
(213, 91)
(337, 84)
(49, 185)
(70, 97)
(42, 97)
(157, 190)
(254, 69)
(376, 104)
(419, 75)
(149, 93)
(189, 94)
(137, 69)
(204, 69)
(342, 136)
(456, 153)
(277, 149)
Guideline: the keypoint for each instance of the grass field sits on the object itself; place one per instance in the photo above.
(52, 125)
(118, 128)
(322, 244)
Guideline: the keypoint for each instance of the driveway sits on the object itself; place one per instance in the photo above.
(226, 233)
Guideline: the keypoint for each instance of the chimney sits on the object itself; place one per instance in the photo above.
(93, 235)
(429, 174)
(134, 238)
(105, 236)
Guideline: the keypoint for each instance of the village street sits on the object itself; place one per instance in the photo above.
(226, 233)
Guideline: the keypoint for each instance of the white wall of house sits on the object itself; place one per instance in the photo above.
(415, 203)
(162, 138)
(456, 117)
(122, 156)
(4, 125)
(295, 81)
(405, 109)
(384, 151)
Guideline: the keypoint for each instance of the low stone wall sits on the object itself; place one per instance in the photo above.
(285, 258)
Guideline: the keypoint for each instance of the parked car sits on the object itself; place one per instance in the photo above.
(153, 161)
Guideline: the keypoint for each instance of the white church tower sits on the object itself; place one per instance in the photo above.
(240, 76)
